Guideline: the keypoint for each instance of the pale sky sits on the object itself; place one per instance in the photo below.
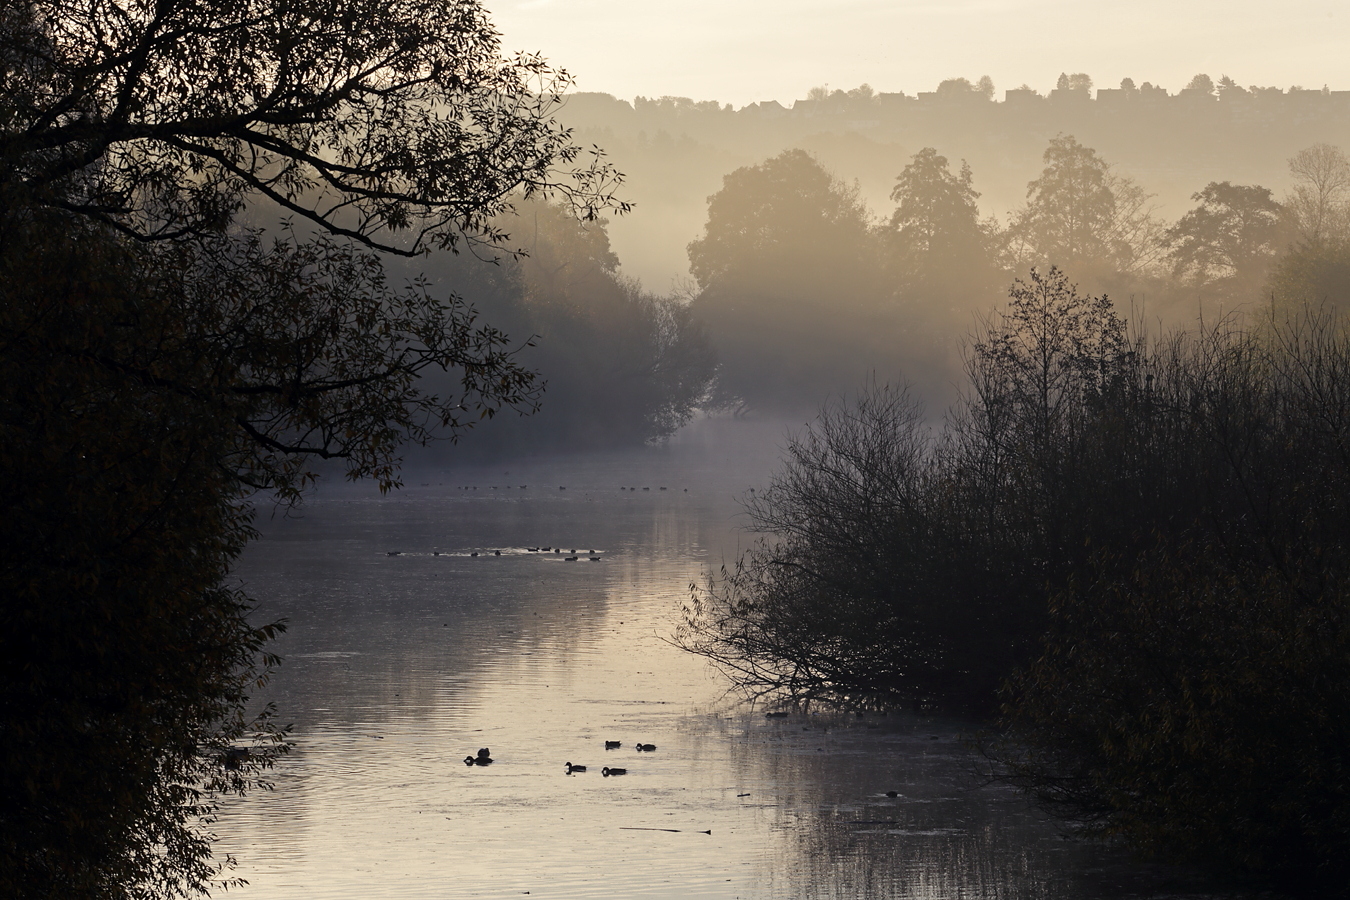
(742, 51)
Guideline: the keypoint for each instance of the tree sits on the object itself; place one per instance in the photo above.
(898, 568)
(1202, 83)
(623, 365)
(1079, 81)
(163, 361)
(1317, 206)
(787, 273)
(1191, 697)
(1227, 242)
(401, 128)
(1083, 218)
(940, 250)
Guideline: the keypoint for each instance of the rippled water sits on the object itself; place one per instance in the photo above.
(397, 666)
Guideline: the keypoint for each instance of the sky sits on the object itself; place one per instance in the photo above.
(744, 51)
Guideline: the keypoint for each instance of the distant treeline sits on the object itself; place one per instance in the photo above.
(805, 292)
(675, 151)
(800, 292)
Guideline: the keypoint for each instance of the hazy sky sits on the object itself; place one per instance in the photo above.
(741, 51)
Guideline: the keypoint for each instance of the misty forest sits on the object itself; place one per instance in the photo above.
(314, 313)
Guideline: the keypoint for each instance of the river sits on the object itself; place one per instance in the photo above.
(406, 652)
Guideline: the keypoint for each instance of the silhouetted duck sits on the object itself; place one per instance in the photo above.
(496, 553)
(607, 771)
(474, 553)
(646, 748)
(484, 757)
(468, 760)
(570, 558)
(593, 558)
(612, 745)
(571, 768)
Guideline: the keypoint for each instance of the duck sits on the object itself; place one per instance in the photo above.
(570, 558)
(571, 768)
(496, 553)
(607, 771)
(646, 748)
(468, 760)
(484, 757)
(612, 745)
(474, 553)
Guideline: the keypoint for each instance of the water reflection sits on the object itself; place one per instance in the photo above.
(397, 666)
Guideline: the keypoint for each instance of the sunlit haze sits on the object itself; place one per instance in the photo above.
(745, 51)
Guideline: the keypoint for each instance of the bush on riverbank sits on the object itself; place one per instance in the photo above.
(1153, 535)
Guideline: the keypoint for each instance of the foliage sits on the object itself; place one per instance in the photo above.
(1150, 538)
(623, 365)
(769, 218)
(785, 246)
(1317, 272)
(940, 252)
(1228, 241)
(1082, 218)
(397, 124)
(1191, 698)
(126, 659)
(902, 569)
(164, 360)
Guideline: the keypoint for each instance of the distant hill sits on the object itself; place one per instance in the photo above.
(675, 150)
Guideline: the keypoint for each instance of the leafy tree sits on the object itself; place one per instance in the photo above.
(1079, 81)
(1202, 83)
(787, 274)
(939, 248)
(623, 365)
(163, 362)
(960, 87)
(1229, 240)
(401, 127)
(1084, 219)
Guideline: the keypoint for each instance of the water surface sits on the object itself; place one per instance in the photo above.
(406, 653)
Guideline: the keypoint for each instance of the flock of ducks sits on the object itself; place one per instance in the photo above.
(561, 487)
(484, 758)
(592, 555)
